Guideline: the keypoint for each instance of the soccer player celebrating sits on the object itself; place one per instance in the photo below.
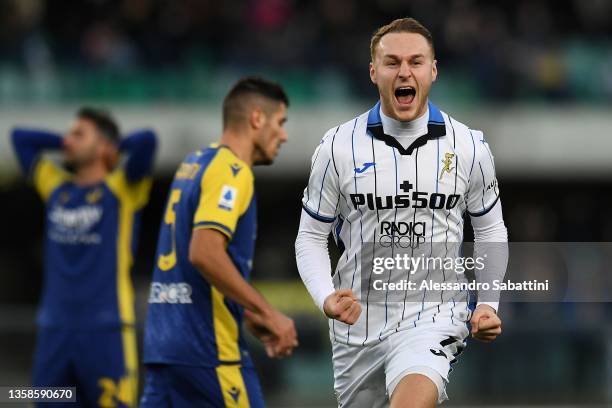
(404, 172)
(86, 334)
(195, 351)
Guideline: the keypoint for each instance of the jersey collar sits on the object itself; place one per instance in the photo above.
(435, 129)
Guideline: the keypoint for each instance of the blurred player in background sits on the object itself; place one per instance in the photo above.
(195, 352)
(86, 334)
(403, 147)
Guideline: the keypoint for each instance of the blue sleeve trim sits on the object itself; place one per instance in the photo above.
(140, 148)
(29, 144)
(483, 212)
(214, 224)
(317, 216)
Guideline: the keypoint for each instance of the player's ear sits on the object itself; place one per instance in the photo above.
(434, 70)
(257, 118)
(110, 154)
(372, 72)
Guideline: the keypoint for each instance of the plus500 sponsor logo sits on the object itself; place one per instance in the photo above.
(179, 292)
(418, 199)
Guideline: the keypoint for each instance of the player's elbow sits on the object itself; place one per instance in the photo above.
(25, 155)
(198, 257)
(206, 263)
(149, 140)
(306, 240)
(299, 243)
(496, 232)
(16, 138)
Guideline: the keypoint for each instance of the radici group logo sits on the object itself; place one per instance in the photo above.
(402, 234)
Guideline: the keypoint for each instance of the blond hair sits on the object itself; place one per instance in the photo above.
(401, 25)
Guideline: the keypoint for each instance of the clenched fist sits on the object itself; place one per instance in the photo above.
(486, 325)
(343, 306)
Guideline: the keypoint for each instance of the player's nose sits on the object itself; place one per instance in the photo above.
(284, 136)
(404, 70)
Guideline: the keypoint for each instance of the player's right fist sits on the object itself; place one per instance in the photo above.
(343, 306)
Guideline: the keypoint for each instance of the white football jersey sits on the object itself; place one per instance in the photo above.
(376, 191)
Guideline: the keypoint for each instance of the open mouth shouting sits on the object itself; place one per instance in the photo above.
(405, 95)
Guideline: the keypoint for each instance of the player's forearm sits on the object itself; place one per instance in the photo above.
(219, 270)
(490, 245)
(139, 146)
(30, 143)
(312, 258)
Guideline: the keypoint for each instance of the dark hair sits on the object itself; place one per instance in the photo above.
(234, 103)
(103, 121)
(401, 25)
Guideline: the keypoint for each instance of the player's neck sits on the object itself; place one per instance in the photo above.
(240, 145)
(412, 128)
(90, 174)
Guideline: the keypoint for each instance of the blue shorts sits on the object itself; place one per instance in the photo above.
(102, 365)
(223, 386)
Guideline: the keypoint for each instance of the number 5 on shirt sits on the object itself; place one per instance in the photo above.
(168, 261)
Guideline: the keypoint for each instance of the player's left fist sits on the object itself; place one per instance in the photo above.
(486, 325)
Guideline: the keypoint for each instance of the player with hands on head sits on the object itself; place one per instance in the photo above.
(93, 201)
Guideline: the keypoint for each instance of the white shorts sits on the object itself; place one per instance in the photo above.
(366, 376)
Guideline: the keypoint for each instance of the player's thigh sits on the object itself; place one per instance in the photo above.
(359, 376)
(215, 387)
(419, 388)
(52, 366)
(107, 367)
(428, 350)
